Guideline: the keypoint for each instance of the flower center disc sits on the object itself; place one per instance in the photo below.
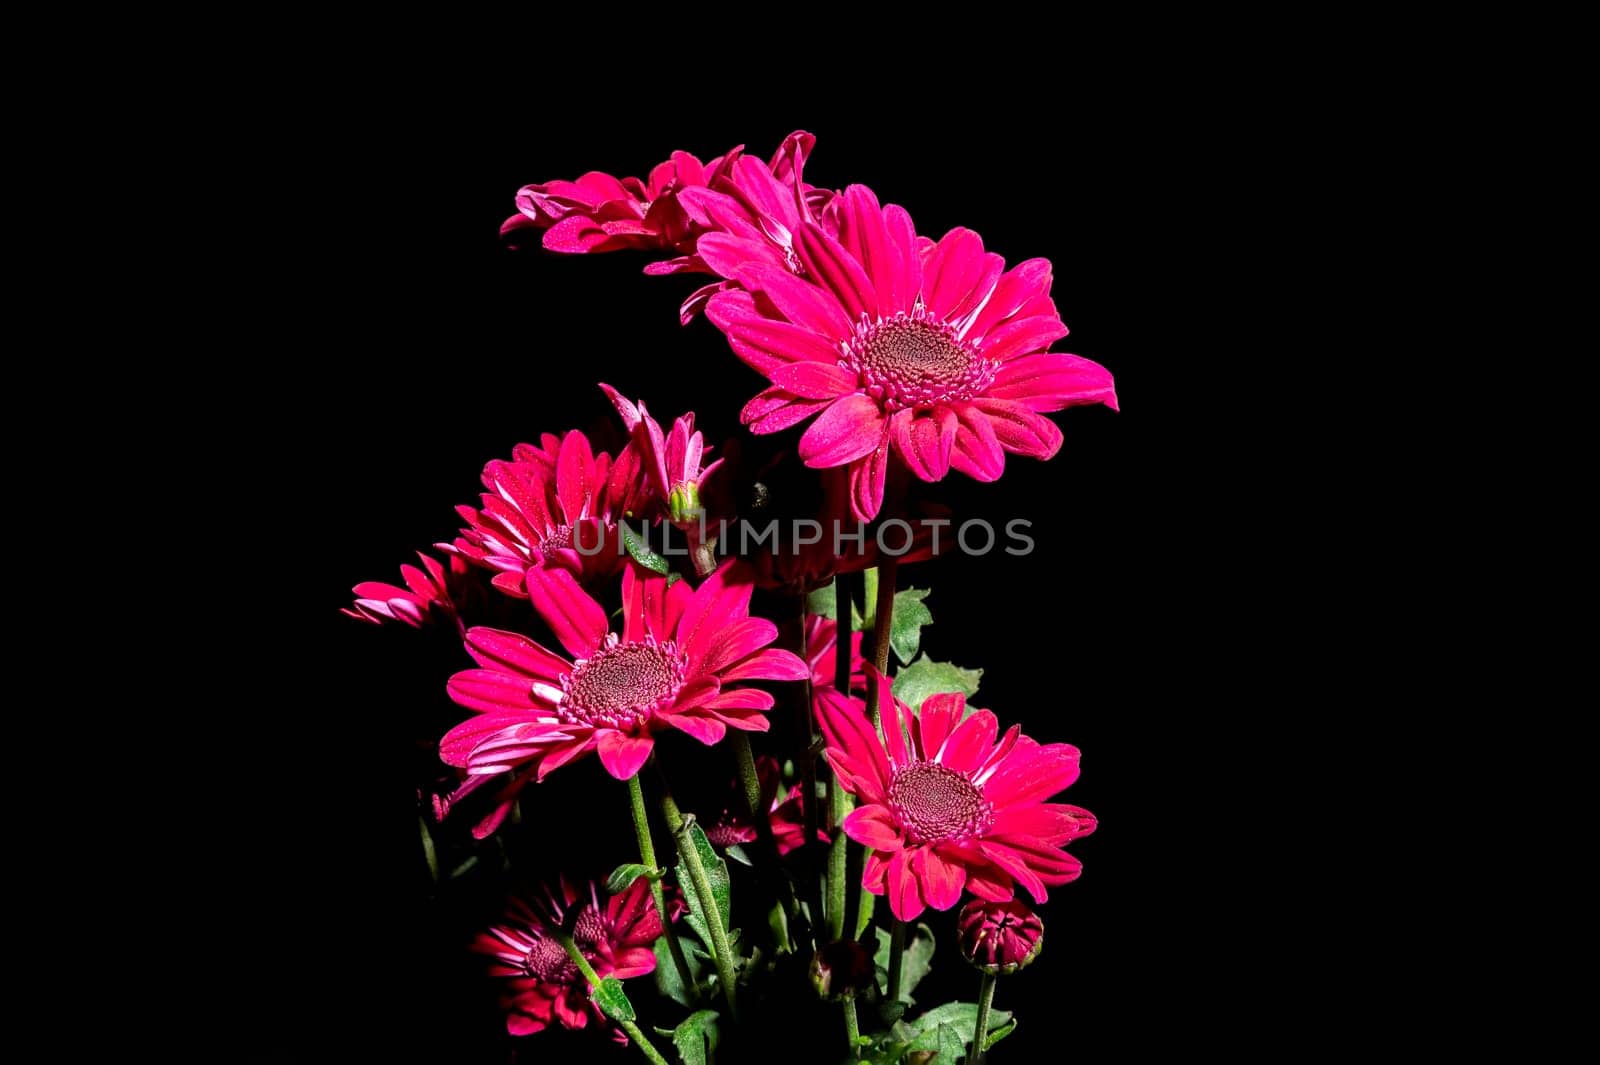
(548, 961)
(623, 683)
(937, 803)
(909, 360)
(590, 931)
(559, 538)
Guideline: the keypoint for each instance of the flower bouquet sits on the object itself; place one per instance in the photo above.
(623, 601)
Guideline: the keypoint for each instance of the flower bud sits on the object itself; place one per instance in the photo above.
(840, 970)
(999, 937)
(683, 503)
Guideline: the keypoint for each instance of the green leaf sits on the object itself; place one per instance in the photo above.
(778, 922)
(823, 603)
(738, 854)
(905, 632)
(925, 677)
(427, 849)
(623, 875)
(668, 982)
(641, 553)
(612, 1000)
(996, 1034)
(915, 960)
(949, 1045)
(716, 872)
(959, 1017)
(696, 1037)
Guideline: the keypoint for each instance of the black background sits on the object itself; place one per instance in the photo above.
(413, 347)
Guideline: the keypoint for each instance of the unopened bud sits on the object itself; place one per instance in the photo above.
(999, 937)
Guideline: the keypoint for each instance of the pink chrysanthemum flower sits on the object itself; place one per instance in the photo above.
(946, 807)
(546, 504)
(599, 213)
(543, 983)
(429, 592)
(785, 812)
(675, 664)
(935, 352)
(750, 214)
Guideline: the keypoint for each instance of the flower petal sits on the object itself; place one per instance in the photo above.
(1019, 429)
(937, 719)
(772, 664)
(800, 302)
(576, 619)
(924, 440)
(977, 451)
(1012, 862)
(1022, 336)
(1016, 288)
(904, 900)
(740, 699)
(708, 731)
(1032, 773)
(971, 742)
(849, 429)
(987, 880)
(576, 485)
(939, 881)
(489, 690)
(827, 264)
(739, 640)
(1050, 824)
(512, 652)
(621, 754)
(865, 235)
(874, 826)
(867, 479)
(776, 409)
(957, 266)
(458, 744)
(1052, 380)
(847, 730)
(814, 380)
(723, 599)
(762, 342)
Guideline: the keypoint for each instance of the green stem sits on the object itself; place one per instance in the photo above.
(638, 1037)
(750, 779)
(658, 895)
(807, 733)
(748, 775)
(868, 902)
(852, 1026)
(839, 804)
(708, 900)
(897, 949)
(985, 997)
(838, 799)
(882, 626)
